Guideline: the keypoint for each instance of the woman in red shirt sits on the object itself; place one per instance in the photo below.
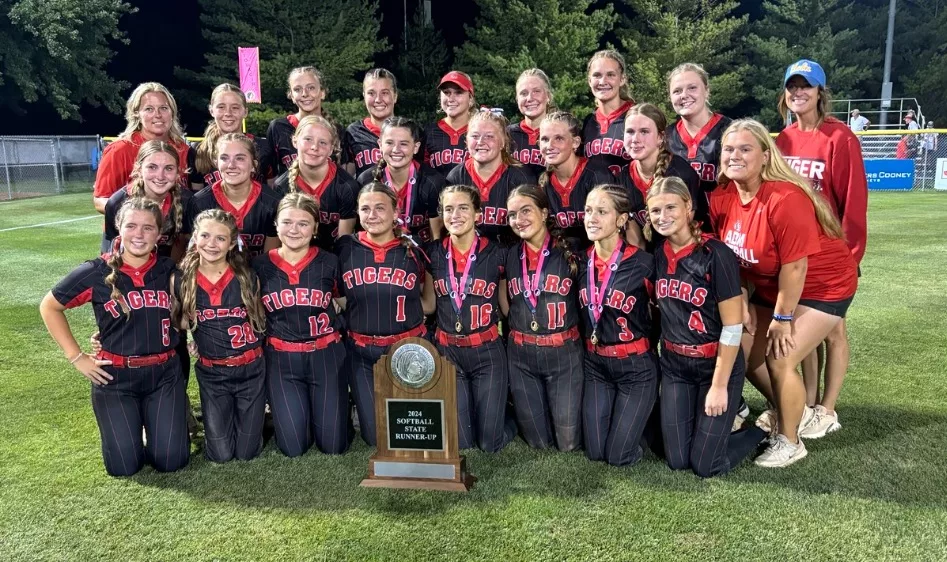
(826, 152)
(792, 255)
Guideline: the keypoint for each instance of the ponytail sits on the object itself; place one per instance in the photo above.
(115, 263)
(206, 161)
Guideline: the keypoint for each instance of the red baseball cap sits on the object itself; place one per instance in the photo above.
(459, 78)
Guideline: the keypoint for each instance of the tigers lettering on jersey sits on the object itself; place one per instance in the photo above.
(299, 296)
(625, 315)
(552, 284)
(705, 171)
(360, 145)
(384, 275)
(494, 191)
(444, 147)
(136, 300)
(680, 290)
(556, 307)
(208, 314)
(603, 136)
(478, 288)
(616, 299)
(809, 168)
(446, 157)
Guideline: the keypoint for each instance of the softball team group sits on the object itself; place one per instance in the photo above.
(603, 285)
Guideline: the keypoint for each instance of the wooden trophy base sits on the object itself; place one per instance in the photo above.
(419, 474)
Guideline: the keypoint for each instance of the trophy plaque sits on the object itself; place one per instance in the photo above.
(416, 421)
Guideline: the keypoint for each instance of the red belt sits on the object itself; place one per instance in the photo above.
(309, 346)
(472, 340)
(551, 340)
(621, 350)
(244, 358)
(136, 361)
(385, 341)
(705, 350)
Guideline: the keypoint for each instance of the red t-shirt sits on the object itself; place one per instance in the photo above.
(776, 227)
(831, 158)
(118, 159)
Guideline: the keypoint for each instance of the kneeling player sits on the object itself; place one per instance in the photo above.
(702, 365)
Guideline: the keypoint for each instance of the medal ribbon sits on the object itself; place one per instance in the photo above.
(456, 296)
(596, 294)
(405, 213)
(532, 295)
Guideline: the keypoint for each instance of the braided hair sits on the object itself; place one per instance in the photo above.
(137, 185)
(541, 200)
(186, 313)
(115, 260)
(655, 114)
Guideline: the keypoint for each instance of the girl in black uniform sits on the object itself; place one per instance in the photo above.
(314, 173)
(383, 274)
(470, 288)
(220, 304)
(545, 353)
(306, 384)
(445, 141)
(702, 365)
(155, 177)
(615, 287)
(534, 100)
(493, 171)
(136, 380)
(416, 185)
(602, 129)
(360, 150)
(645, 126)
(569, 177)
(307, 90)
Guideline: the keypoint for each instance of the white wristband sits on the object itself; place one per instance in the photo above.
(732, 334)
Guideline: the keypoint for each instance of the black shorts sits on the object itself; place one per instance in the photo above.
(834, 308)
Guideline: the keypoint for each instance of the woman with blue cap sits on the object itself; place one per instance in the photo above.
(825, 151)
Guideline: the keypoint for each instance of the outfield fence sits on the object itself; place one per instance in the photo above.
(34, 166)
(905, 160)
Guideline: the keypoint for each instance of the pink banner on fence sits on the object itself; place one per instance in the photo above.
(249, 59)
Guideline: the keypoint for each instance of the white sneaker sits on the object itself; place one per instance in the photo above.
(740, 418)
(808, 418)
(767, 421)
(823, 422)
(781, 453)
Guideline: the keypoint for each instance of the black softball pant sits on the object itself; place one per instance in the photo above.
(617, 400)
(233, 403)
(152, 398)
(692, 439)
(546, 383)
(482, 389)
(308, 397)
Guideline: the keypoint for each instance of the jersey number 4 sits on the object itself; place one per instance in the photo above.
(696, 322)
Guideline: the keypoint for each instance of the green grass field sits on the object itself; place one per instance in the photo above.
(877, 490)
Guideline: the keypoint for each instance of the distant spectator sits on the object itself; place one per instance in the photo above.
(929, 144)
(912, 140)
(910, 121)
(857, 122)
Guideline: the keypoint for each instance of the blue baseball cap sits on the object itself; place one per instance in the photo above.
(810, 70)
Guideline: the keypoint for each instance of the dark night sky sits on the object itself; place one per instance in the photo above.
(150, 57)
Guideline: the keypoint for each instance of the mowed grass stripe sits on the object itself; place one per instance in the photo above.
(874, 491)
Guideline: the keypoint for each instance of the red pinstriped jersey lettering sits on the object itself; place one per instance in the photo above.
(681, 290)
(383, 275)
(367, 157)
(493, 215)
(214, 313)
(616, 299)
(137, 300)
(298, 297)
(565, 219)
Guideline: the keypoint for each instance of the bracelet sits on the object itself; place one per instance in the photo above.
(76, 358)
(782, 317)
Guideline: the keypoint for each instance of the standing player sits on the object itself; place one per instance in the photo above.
(603, 130)
(545, 352)
(444, 145)
(307, 90)
(822, 149)
(416, 185)
(645, 141)
(220, 304)
(383, 275)
(135, 381)
(534, 99)
(493, 171)
(151, 113)
(702, 366)
(306, 384)
(360, 150)
(615, 288)
(467, 271)
(696, 135)
(314, 173)
(568, 177)
(791, 250)
(252, 204)
(228, 108)
(155, 176)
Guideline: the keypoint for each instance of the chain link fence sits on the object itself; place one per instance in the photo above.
(905, 160)
(34, 166)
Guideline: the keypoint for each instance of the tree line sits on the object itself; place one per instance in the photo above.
(57, 51)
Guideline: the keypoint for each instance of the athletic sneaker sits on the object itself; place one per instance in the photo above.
(742, 414)
(767, 420)
(781, 453)
(823, 422)
(808, 418)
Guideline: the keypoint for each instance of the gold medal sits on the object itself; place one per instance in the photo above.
(534, 326)
(458, 327)
(594, 338)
